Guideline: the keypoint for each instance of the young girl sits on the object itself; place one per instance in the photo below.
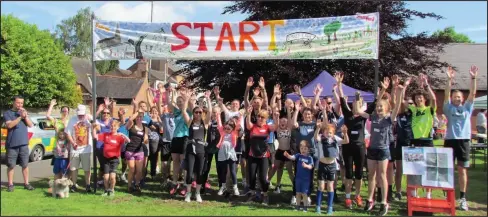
(61, 159)
(305, 165)
(227, 156)
(328, 148)
(379, 150)
(113, 142)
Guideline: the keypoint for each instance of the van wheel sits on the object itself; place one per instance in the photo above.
(36, 154)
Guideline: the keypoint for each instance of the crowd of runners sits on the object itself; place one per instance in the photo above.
(318, 142)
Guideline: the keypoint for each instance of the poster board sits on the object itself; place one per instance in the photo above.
(430, 167)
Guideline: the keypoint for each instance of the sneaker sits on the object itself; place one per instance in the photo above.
(384, 209)
(369, 206)
(123, 177)
(358, 201)
(389, 198)
(236, 191)
(463, 204)
(348, 203)
(111, 193)
(251, 197)
(198, 197)
(265, 200)
(207, 185)
(137, 188)
(222, 190)
(277, 189)
(244, 183)
(317, 210)
(293, 201)
(309, 201)
(105, 194)
(142, 183)
(188, 197)
(183, 191)
(194, 184)
(304, 208)
(73, 189)
(173, 189)
(28, 187)
(10, 188)
(330, 210)
(157, 170)
(88, 189)
(100, 184)
(298, 208)
(398, 196)
(246, 190)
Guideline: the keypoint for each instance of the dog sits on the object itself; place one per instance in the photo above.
(60, 187)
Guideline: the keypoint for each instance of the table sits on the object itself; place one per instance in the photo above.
(476, 147)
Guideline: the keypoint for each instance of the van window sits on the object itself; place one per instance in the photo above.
(45, 125)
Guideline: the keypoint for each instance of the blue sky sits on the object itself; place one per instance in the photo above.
(468, 17)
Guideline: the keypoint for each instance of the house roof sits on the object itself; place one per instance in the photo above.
(118, 87)
(82, 68)
(462, 57)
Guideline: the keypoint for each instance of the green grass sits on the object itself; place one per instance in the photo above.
(154, 202)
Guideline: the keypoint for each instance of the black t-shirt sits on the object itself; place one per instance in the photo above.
(355, 125)
(136, 139)
(213, 138)
(331, 116)
(403, 128)
(197, 133)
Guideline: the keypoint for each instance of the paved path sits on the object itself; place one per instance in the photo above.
(37, 170)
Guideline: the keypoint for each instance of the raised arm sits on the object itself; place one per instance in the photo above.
(317, 91)
(248, 118)
(317, 130)
(49, 111)
(186, 97)
(433, 101)
(130, 122)
(249, 84)
(400, 94)
(394, 84)
(171, 95)
(134, 105)
(265, 94)
(276, 92)
(384, 86)
(345, 139)
(276, 121)
(336, 98)
(447, 91)
(121, 114)
(216, 91)
(294, 122)
(298, 91)
(150, 97)
(208, 118)
(472, 91)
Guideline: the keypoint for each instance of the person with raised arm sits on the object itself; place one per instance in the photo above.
(134, 153)
(379, 151)
(458, 132)
(197, 141)
(58, 124)
(104, 122)
(354, 153)
(423, 118)
(168, 125)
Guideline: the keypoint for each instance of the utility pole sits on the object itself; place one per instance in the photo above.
(150, 62)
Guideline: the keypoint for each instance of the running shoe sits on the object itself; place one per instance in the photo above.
(348, 203)
(28, 187)
(198, 197)
(383, 209)
(236, 191)
(207, 185)
(221, 190)
(194, 184)
(188, 197)
(317, 210)
(293, 201)
(330, 210)
(463, 204)
(398, 196)
(277, 189)
(105, 194)
(358, 201)
(369, 206)
(265, 200)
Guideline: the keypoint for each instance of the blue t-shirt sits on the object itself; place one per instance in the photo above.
(271, 137)
(168, 126)
(181, 128)
(122, 129)
(103, 129)
(146, 119)
(17, 135)
(458, 120)
(306, 132)
(303, 174)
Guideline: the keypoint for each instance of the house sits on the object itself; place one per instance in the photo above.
(120, 88)
(462, 57)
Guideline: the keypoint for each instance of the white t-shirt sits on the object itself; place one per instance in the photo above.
(480, 119)
(231, 114)
(80, 131)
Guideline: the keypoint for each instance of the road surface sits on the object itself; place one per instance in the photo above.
(37, 170)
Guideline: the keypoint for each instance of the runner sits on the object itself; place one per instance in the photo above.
(458, 135)
(134, 153)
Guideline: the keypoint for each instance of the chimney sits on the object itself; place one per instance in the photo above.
(142, 67)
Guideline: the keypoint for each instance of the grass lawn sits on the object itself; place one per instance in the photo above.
(154, 202)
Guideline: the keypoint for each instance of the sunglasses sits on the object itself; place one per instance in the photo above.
(328, 103)
(106, 113)
(198, 112)
(260, 116)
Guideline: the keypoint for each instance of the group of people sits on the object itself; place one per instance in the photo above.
(315, 140)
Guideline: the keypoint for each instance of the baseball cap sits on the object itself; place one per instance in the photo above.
(81, 110)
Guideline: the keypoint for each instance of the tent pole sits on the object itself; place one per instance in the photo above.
(94, 103)
(377, 61)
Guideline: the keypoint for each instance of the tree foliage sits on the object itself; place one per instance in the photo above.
(74, 35)
(34, 66)
(400, 52)
(452, 36)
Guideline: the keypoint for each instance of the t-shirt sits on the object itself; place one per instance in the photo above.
(284, 139)
(231, 114)
(328, 147)
(136, 137)
(61, 149)
(80, 131)
(104, 128)
(332, 117)
(17, 135)
(303, 174)
(381, 135)
(306, 132)
(258, 141)
(422, 121)
(404, 128)
(181, 128)
(355, 124)
(458, 120)
(168, 126)
(480, 119)
(112, 144)
(213, 138)
(146, 119)
(226, 150)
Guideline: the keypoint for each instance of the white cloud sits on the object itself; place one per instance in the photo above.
(474, 29)
(162, 12)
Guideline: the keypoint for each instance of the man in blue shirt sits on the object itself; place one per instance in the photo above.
(17, 145)
(458, 132)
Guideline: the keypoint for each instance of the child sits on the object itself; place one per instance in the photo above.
(159, 93)
(302, 178)
(61, 159)
(227, 157)
(328, 145)
(113, 142)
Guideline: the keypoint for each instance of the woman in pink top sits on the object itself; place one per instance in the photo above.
(227, 157)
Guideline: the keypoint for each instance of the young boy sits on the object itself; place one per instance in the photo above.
(302, 178)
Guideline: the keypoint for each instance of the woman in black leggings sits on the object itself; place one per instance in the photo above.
(154, 135)
(353, 153)
(257, 160)
(197, 141)
(211, 150)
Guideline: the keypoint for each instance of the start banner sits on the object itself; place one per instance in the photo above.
(345, 37)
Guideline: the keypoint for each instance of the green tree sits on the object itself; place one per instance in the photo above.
(74, 35)
(452, 36)
(34, 66)
(332, 28)
(400, 52)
